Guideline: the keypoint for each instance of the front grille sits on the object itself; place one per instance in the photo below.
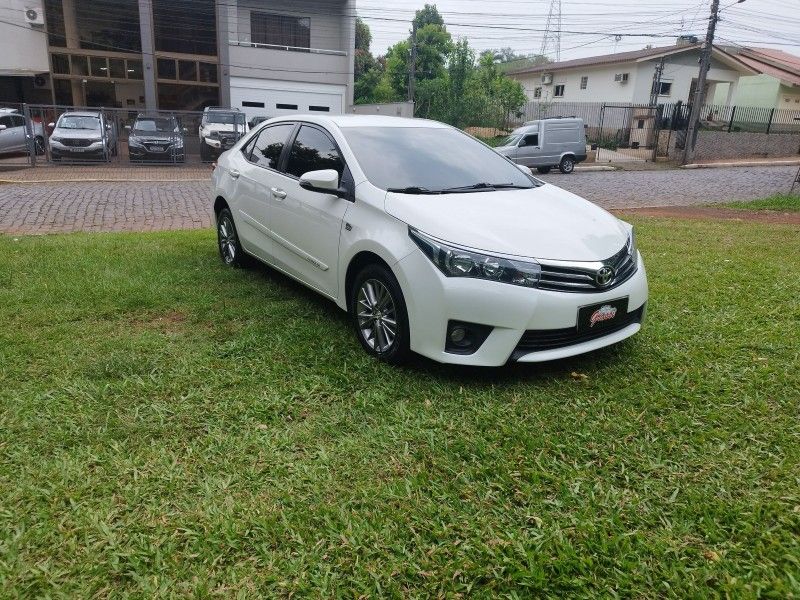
(77, 143)
(537, 340)
(574, 277)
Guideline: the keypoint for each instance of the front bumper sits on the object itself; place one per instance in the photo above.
(433, 299)
(94, 150)
(170, 154)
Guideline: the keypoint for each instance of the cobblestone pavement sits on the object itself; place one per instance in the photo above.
(147, 206)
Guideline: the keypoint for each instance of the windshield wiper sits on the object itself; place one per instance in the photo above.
(487, 187)
(413, 190)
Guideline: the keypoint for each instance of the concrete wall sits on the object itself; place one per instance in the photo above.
(713, 145)
(23, 47)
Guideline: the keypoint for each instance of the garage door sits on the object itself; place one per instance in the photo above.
(268, 98)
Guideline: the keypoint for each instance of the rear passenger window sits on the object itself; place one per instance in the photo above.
(313, 150)
(269, 145)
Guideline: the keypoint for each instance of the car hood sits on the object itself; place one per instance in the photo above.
(544, 222)
(225, 127)
(504, 149)
(151, 136)
(77, 134)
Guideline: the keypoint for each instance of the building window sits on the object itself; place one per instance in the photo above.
(186, 26)
(286, 106)
(665, 88)
(584, 82)
(187, 70)
(80, 65)
(558, 92)
(208, 72)
(537, 92)
(166, 68)
(116, 67)
(134, 69)
(99, 66)
(280, 30)
(60, 64)
(250, 104)
(320, 108)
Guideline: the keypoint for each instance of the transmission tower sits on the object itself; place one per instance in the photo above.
(551, 42)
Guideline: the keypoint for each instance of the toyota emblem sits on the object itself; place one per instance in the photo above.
(604, 276)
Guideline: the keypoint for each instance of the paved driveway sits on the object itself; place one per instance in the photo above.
(146, 206)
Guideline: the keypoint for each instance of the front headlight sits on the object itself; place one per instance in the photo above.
(134, 141)
(457, 262)
(179, 142)
(632, 248)
(214, 134)
(55, 139)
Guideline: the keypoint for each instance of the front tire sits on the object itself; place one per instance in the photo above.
(379, 314)
(567, 165)
(543, 170)
(230, 250)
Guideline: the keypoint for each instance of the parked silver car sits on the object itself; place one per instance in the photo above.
(547, 143)
(14, 133)
(83, 135)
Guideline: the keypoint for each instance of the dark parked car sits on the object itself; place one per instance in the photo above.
(154, 138)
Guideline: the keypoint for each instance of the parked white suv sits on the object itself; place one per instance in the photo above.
(432, 241)
(220, 129)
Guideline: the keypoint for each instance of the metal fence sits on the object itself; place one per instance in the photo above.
(69, 135)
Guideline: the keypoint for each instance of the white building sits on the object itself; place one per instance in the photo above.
(629, 77)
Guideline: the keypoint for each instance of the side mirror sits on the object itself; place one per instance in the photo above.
(127, 127)
(2, 127)
(525, 170)
(325, 181)
(51, 125)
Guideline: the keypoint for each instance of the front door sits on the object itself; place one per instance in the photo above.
(12, 138)
(528, 152)
(306, 225)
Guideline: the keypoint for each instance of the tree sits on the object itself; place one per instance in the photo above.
(363, 35)
(428, 15)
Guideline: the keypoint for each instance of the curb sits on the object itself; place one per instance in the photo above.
(597, 168)
(43, 181)
(751, 163)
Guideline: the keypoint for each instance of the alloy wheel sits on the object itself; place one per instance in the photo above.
(377, 315)
(227, 239)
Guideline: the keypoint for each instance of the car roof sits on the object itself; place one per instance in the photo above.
(81, 113)
(9, 111)
(345, 121)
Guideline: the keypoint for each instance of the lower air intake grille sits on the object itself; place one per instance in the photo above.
(537, 340)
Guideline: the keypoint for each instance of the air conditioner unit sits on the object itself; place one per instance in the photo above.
(42, 82)
(547, 78)
(34, 15)
(621, 77)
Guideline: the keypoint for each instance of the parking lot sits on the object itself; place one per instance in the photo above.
(149, 198)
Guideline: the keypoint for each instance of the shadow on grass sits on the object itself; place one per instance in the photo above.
(509, 373)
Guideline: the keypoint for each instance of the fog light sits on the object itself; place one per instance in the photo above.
(465, 338)
(458, 334)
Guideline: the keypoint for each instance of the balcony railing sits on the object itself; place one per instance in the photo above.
(248, 44)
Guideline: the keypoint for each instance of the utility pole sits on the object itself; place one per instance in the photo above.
(700, 90)
(657, 74)
(412, 67)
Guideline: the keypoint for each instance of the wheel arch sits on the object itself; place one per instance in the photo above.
(219, 204)
(360, 260)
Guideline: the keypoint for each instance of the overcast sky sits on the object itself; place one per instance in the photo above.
(519, 23)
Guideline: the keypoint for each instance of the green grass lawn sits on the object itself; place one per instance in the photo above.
(172, 428)
(779, 202)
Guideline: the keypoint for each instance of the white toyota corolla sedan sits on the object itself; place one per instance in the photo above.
(432, 242)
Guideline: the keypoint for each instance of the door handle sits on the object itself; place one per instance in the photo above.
(234, 174)
(278, 193)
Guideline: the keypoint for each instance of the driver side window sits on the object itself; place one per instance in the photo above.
(269, 145)
(532, 139)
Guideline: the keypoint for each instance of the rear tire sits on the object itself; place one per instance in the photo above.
(567, 165)
(543, 170)
(379, 315)
(230, 249)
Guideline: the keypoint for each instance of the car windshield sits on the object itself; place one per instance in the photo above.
(76, 122)
(512, 140)
(430, 159)
(155, 125)
(225, 118)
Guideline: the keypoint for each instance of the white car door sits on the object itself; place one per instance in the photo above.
(255, 173)
(307, 225)
(12, 138)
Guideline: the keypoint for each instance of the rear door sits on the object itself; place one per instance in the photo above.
(12, 138)
(307, 224)
(255, 171)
